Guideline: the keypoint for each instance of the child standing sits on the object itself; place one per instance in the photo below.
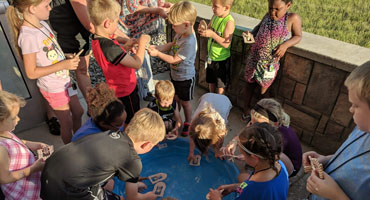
(45, 61)
(115, 60)
(165, 106)
(220, 34)
(261, 146)
(271, 42)
(19, 169)
(182, 55)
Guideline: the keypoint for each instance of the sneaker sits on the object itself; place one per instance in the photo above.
(54, 126)
(185, 129)
(149, 97)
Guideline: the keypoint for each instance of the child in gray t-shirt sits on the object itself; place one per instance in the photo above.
(181, 57)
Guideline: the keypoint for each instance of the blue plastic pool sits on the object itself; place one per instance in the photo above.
(184, 182)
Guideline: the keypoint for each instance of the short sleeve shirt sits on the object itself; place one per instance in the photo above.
(350, 166)
(48, 52)
(186, 49)
(276, 188)
(165, 113)
(108, 54)
(87, 162)
(220, 103)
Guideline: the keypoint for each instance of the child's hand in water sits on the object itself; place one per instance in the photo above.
(215, 194)
(280, 51)
(191, 157)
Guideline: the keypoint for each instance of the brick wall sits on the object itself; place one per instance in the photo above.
(310, 88)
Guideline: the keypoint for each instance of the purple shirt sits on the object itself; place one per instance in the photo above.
(291, 146)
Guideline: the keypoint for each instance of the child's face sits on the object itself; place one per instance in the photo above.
(181, 28)
(360, 110)
(42, 10)
(9, 123)
(218, 9)
(166, 103)
(278, 8)
(118, 122)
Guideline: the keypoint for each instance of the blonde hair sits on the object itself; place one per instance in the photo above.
(276, 109)
(181, 12)
(359, 80)
(225, 2)
(164, 90)
(7, 103)
(207, 128)
(146, 125)
(100, 10)
(14, 15)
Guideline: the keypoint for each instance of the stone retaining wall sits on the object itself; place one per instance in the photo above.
(309, 84)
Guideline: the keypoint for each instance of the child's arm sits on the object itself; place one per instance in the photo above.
(34, 72)
(80, 8)
(120, 36)
(7, 176)
(223, 41)
(178, 121)
(154, 10)
(191, 149)
(296, 28)
(132, 193)
(137, 60)
(153, 51)
(163, 47)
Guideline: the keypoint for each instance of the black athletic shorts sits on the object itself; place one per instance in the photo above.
(132, 104)
(71, 34)
(218, 72)
(184, 89)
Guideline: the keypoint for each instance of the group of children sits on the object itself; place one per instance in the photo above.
(108, 144)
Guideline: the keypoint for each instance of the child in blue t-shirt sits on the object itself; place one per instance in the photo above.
(260, 144)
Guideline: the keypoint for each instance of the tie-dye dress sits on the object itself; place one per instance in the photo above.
(270, 34)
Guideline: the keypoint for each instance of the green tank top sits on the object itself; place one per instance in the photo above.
(215, 51)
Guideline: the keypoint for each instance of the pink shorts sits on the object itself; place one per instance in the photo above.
(56, 100)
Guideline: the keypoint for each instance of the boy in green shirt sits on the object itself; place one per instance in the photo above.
(220, 33)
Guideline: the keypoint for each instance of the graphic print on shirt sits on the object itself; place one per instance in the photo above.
(174, 49)
(52, 54)
(240, 188)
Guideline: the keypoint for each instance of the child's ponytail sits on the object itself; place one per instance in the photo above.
(14, 15)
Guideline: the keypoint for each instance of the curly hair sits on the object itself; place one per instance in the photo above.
(264, 140)
(207, 128)
(103, 104)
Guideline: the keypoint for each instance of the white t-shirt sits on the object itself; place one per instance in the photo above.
(48, 52)
(219, 102)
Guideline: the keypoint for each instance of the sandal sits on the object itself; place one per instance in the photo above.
(246, 118)
(54, 126)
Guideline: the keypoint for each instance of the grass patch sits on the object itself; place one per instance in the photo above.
(345, 20)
